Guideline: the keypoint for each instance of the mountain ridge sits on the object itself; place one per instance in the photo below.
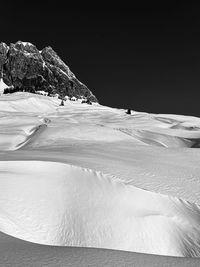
(25, 68)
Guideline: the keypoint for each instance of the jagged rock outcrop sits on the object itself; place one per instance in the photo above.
(3, 57)
(25, 68)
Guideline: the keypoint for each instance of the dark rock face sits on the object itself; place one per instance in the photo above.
(25, 68)
(128, 111)
(3, 56)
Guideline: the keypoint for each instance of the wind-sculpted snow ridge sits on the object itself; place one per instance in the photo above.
(163, 139)
(17, 139)
(27, 103)
(19, 131)
(59, 204)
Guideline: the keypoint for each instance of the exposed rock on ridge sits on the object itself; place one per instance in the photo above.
(25, 68)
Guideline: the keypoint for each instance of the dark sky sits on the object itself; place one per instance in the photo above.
(144, 57)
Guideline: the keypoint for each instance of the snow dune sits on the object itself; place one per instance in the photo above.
(27, 103)
(166, 139)
(17, 131)
(59, 204)
(76, 121)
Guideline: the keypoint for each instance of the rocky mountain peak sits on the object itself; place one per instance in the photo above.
(25, 68)
(25, 47)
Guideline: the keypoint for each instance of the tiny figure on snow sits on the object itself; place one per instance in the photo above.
(62, 103)
(128, 111)
(87, 101)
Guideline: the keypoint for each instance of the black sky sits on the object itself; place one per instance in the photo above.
(144, 57)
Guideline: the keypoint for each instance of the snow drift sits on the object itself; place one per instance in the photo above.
(76, 121)
(59, 204)
(17, 131)
(27, 103)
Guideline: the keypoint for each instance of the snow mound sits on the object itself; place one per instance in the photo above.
(18, 131)
(27, 103)
(59, 204)
(75, 122)
(167, 139)
(171, 131)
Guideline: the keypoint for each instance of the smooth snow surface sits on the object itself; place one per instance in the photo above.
(58, 204)
(92, 176)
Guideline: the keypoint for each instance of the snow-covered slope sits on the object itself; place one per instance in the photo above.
(93, 176)
(59, 204)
